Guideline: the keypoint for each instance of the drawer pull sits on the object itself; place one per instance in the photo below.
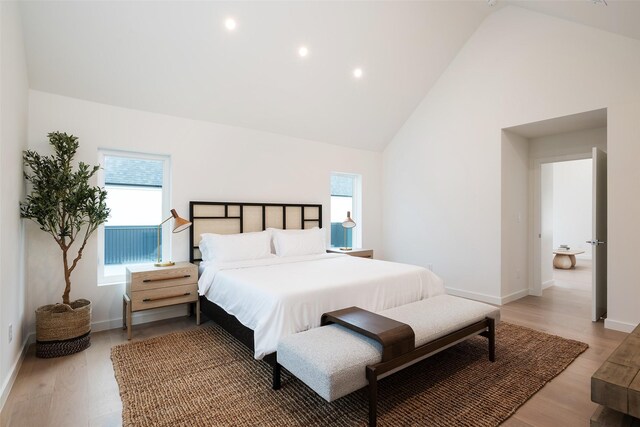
(166, 278)
(169, 297)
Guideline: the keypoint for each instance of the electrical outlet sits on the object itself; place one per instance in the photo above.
(10, 333)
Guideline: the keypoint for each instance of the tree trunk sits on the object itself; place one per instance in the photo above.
(67, 278)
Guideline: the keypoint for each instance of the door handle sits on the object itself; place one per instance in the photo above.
(596, 242)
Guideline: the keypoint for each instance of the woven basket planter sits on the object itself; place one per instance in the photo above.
(63, 329)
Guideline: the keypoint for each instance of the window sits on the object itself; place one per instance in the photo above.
(138, 196)
(345, 197)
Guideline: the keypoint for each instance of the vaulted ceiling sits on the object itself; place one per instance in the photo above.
(177, 58)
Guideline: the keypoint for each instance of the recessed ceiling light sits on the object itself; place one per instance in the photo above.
(303, 51)
(357, 73)
(230, 24)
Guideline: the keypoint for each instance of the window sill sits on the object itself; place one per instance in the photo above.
(108, 281)
(116, 274)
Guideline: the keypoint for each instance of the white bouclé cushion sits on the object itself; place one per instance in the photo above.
(235, 247)
(331, 359)
(438, 316)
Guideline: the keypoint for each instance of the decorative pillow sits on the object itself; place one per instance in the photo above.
(299, 242)
(235, 247)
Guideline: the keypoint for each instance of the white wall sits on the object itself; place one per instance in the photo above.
(442, 171)
(546, 224)
(572, 206)
(13, 137)
(208, 162)
(515, 215)
(623, 212)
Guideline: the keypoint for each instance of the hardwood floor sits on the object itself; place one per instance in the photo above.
(80, 390)
(565, 312)
(578, 277)
(77, 390)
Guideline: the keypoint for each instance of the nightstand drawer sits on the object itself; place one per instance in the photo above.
(157, 279)
(151, 287)
(152, 298)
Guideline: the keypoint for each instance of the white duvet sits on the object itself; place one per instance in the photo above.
(277, 296)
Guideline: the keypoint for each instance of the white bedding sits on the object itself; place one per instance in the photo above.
(280, 296)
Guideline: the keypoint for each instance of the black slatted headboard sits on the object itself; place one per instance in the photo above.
(236, 217)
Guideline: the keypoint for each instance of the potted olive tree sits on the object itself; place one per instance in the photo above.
(64, 204)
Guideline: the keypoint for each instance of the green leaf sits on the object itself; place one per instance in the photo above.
(61, 200)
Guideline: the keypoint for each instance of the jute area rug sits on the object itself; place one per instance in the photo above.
(204, 377)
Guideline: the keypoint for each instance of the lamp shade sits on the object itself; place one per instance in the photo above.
(179, 223)
(348, 222)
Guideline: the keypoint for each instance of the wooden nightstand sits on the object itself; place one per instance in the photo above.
(152, 287)
(359, 252)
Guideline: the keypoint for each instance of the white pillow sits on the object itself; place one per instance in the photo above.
(299, 242)
(235, 247)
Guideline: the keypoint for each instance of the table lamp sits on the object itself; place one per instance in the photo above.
(180, 224)
(347, 223)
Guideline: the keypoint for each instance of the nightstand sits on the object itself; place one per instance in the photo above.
(153, 287)
(359, 252)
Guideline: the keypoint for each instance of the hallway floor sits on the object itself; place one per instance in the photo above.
(577, 278)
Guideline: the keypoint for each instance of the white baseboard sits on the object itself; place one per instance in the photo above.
(548, 284)
(474, 296)
(535, 292)
(514, 296)
(619, 326)
(13, 372)
(138, 318)
(142, 317)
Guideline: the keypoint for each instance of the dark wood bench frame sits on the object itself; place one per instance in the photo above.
(398, 343)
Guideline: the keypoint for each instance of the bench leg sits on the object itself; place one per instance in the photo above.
(124, 312)
(373, 396)
(276, 376)
(492, 339)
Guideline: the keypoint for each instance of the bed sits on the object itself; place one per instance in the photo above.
(261, 301)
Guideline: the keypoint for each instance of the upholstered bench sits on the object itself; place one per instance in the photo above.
(334, 360)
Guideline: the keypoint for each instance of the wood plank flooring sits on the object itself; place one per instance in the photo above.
(80, 390)
(566, 400)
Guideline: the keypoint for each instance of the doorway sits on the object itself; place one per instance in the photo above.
(570, 219)
(567, 154)
(566, 224)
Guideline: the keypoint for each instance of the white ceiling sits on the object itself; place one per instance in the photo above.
(620, 16)
(176, 58)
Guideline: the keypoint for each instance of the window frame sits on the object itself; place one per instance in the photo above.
(356, 213)
(166, 207)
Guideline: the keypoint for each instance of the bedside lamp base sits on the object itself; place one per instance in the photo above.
(164, 264)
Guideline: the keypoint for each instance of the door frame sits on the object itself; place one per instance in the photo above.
(535, 213)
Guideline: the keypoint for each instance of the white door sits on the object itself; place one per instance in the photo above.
(599, 235)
